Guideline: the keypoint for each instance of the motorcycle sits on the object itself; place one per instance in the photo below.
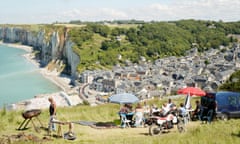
(159, 123)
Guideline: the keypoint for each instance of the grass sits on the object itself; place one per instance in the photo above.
(219, 132)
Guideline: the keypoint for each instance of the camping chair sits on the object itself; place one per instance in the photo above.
(139, 119)
(124, 121)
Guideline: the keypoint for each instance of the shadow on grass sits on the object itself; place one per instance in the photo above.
(44, 128)
(146, 134)
(117, 121)
(22, 129)
(110, 124)
(37, 129)
(236, 134)
(105, 124)
(163, 132)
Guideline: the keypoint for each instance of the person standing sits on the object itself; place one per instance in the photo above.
(52, 112)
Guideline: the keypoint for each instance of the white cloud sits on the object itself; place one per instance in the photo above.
(176, 9)
(113, 13)
(91, 15)
(162, 10)
(207, 9)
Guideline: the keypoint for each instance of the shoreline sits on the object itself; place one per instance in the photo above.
(23, 47)
(62, 83)
(41, 100)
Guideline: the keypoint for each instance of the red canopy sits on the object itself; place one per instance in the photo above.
(192, 91)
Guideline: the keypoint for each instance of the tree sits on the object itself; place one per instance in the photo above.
(233, 83)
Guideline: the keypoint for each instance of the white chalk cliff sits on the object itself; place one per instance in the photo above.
(51, 46)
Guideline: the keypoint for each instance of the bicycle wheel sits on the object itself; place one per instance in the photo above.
(155, 130)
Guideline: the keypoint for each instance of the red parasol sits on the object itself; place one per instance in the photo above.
(192, 91)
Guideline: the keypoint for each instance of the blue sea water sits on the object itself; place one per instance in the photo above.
(19, 78)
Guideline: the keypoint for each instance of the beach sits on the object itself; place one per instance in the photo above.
(40, 101)
(26, 48)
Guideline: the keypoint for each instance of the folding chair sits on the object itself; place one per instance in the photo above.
(124, 121)
(139, 119)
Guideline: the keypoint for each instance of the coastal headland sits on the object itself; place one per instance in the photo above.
(68, 95)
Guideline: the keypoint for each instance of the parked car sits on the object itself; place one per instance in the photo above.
(225, 103)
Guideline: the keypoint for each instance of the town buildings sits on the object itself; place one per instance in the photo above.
(165, 76)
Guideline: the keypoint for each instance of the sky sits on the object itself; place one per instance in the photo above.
(50, 11)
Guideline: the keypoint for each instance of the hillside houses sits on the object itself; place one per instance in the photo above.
(165, 76)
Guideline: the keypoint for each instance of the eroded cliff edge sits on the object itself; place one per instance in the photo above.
(52, 48)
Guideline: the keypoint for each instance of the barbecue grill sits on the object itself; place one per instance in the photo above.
(28, 116)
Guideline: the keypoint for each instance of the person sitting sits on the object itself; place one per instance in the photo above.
(169, 104)
(138, 115)
(146, 108)
(130, 112)
(123, 115)
(183, 112)
(196, 111)
(154, 110)
(165, 109)
(124, 109)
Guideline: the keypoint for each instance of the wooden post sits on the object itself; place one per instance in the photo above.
(59, 131)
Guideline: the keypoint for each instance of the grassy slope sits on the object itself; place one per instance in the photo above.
(91, 51)
(219, 132)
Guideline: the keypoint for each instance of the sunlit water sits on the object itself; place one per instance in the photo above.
(19, 78)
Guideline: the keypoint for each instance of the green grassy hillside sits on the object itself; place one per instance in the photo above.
(220, 132)
(101, 44)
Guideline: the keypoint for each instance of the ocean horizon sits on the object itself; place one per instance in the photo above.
(20, 79)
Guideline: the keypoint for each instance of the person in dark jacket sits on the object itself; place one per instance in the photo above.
(52, 113)
(196, 111)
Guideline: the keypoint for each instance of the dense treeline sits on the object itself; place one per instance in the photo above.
(233, 83)
(109, 22)
(100, 45)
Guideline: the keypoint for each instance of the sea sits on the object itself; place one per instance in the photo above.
(19, 78)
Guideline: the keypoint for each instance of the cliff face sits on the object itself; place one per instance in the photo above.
(51, 47)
